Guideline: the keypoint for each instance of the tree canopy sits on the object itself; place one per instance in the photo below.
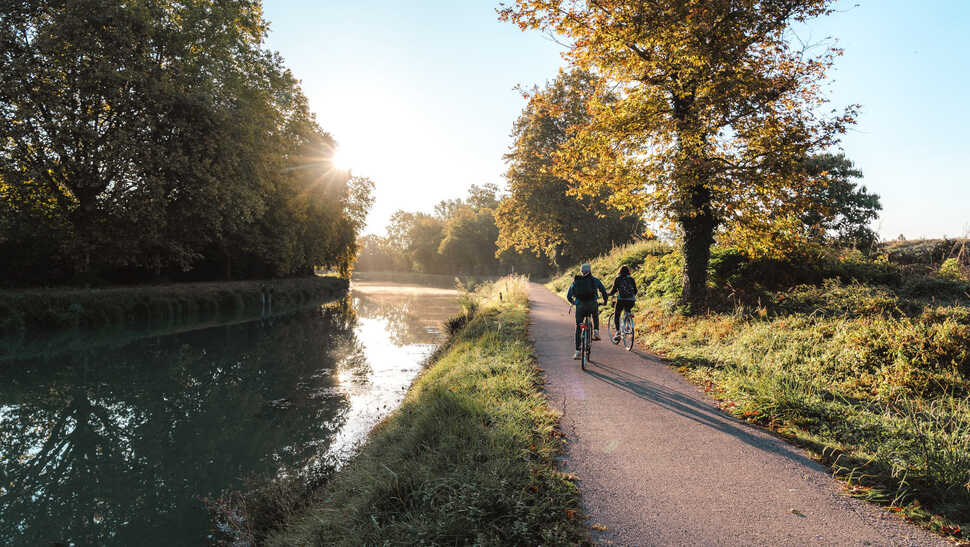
(543, 213)
(155, 138)
(703, 113)
(842, 210)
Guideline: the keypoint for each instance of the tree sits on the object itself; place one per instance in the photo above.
(150, 137)
(702, 113)
(542, 214)
(469, 242)
(108, 105)
(841, 210)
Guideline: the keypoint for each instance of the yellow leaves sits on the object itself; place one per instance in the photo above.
(667, 114)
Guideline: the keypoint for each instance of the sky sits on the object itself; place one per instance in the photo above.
(421, 97)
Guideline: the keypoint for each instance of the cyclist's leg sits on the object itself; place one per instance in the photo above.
(617, 309)
(595, 312)
(624, 306)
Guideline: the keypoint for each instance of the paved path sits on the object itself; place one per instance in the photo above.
(660, 465)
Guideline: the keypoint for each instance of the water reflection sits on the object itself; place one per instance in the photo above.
(115, 445)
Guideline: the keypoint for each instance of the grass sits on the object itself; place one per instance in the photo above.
(468, 458)
(863, 361)
(606, 266)
(38, 310)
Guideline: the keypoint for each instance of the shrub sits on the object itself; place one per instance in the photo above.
(952, 270)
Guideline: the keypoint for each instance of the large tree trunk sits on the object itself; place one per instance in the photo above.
(698, 238)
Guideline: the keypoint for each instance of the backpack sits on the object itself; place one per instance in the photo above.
(626, 288)
(583, 288)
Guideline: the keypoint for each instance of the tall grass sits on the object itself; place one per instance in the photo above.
(468, 458)
(864, 362)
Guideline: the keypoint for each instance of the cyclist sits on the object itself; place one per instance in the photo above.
(625, 289)
(582, 294)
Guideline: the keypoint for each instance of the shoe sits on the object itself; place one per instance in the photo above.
(576, 355)
(616, 338)
(596, 335)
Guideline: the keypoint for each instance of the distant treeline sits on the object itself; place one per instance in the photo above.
(462, 236)
(458, 238)
(152, 140)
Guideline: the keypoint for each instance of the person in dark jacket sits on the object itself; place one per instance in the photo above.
(625, 289)
(582, 294)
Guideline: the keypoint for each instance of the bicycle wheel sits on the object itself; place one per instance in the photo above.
(582, 348)
(629, 333)
(585, 347)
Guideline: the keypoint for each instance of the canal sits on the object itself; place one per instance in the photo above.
(120, 441)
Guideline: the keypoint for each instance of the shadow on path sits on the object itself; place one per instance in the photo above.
(695, 410)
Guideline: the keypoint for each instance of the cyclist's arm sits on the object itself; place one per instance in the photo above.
(613, 288)
(602, 291)
(569, 294)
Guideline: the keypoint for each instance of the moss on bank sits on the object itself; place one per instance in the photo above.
(468, 458)
(864, 362)
(38, 310)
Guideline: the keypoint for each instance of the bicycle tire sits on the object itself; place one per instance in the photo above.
(586, 343)
(582, 351)
(629, 334)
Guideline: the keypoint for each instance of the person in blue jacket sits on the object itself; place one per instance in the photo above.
(582, 294)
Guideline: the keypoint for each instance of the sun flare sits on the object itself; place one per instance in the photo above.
(340, 160)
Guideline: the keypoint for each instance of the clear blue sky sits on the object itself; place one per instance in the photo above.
(420, 96)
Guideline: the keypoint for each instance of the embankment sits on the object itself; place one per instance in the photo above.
(36, 311)
(468, 458)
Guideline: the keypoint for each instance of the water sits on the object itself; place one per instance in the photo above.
(117, 444)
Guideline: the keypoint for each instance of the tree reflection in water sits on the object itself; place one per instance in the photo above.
(116, 447)
(413, 314)
(117, 444)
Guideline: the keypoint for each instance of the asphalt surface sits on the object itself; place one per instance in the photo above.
(660, 465)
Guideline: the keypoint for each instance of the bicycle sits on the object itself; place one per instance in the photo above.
(627, 330)
(585, 335)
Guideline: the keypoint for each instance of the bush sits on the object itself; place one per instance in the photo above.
(952, 270)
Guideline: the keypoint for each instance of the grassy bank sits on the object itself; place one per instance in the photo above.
(155, 305)
(468, 458)
(864, 362)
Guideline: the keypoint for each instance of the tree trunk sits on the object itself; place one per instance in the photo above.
(698, 238)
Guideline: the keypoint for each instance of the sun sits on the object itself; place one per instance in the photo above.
(341, 160)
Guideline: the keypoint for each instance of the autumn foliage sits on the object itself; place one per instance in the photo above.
(704, 113)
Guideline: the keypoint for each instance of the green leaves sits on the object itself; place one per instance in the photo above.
(163, 138)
